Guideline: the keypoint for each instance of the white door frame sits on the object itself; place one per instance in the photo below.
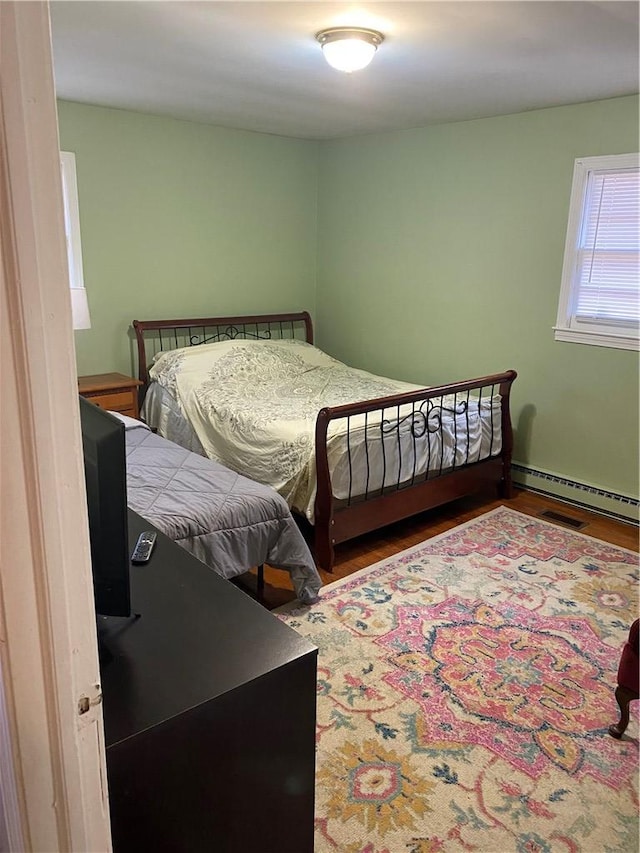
(52, 768)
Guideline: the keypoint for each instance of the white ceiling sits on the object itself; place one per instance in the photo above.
(257, 66)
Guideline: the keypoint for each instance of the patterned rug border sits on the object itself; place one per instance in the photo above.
(330, 587)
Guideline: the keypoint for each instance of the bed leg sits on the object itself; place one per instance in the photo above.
(323, 547)
(505, 486)
(505, 489)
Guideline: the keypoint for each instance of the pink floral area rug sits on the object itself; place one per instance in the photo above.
(465, 688)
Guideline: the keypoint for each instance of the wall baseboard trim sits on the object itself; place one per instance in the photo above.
(613, 504)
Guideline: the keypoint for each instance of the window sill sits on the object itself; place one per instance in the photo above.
(597, 339)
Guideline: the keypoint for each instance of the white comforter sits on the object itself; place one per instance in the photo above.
(253, 407)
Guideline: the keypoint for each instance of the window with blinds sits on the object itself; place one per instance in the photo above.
(600, 293)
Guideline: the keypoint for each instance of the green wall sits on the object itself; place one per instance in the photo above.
(180, 219)
(440, 257)
(430, 255)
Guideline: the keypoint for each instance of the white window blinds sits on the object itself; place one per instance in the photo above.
(609, 250)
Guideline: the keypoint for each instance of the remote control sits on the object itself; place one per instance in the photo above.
(144, 547)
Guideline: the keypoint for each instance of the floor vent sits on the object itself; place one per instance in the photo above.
(559, 518)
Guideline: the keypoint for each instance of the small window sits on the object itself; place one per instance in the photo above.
(71, 217)
(600, 293)
(79, 304)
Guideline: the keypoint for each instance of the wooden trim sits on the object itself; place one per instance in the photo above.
(47, 617)
(352, 521)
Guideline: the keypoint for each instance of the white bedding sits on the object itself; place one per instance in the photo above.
(252, 405)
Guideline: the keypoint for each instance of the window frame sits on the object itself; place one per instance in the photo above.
(568, 328)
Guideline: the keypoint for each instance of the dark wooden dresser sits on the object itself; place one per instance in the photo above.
(209, 709)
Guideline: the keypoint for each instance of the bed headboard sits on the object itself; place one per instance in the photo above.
(154, 336)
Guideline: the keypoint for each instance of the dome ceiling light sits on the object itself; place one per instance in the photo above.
(349, 48)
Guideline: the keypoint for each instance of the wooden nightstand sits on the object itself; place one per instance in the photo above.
(113, 391)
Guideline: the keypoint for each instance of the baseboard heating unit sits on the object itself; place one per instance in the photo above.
(612, 504)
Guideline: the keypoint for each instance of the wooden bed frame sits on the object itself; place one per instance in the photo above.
(336, 521)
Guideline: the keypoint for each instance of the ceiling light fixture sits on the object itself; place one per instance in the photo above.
(349, 48)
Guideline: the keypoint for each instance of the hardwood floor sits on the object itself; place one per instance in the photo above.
(369, 549)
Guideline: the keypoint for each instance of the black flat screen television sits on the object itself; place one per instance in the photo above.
(106, 480)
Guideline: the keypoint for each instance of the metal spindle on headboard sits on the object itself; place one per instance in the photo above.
(224, 328)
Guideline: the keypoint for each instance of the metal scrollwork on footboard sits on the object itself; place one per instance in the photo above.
(424, 421)
(396, 456)
(421, 422)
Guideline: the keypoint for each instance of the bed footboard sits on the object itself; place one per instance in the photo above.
(383, 460)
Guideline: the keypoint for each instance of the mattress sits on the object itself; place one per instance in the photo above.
(252, 405)
(227, 521)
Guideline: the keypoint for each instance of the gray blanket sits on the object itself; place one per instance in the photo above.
(226, 520)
